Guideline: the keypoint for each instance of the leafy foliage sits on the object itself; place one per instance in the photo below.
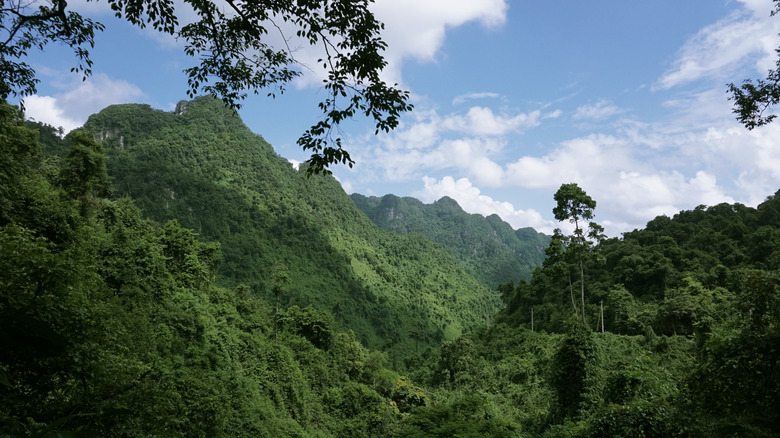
(235, 57)
(753, 100)
(118, 325)
(689, 345)
(29, 26)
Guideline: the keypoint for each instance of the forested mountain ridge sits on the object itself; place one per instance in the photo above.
(202, 166)
(116, 325)
(486, 247)
(112, 324)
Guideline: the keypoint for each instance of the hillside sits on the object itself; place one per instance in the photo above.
(202, 166)
(686, 344)
(112, 325)
(116, 325)
(486, 247)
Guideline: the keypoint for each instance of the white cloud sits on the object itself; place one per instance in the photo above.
(601, 110)
(636, 172)
(718, 49)
(692, 152)
(72, 108)
(473, 96)
(427, 140)
(44, 109)
(415, 29)
(482, 121)
(573, 161)
(629, 189)
(472, 201)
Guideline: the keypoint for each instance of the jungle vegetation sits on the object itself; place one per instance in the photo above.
(486, 247)
(167, 274)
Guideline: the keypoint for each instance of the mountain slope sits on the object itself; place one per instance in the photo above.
(112, 325)
(203, 167)
(486, 247)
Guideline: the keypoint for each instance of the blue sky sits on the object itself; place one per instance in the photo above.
(512, 99)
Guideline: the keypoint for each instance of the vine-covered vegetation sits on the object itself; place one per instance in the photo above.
(679, 338)
(167, 274)
(112, 324)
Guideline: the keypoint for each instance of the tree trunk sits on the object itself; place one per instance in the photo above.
(602, 316)
(582, 288)
(571, 292)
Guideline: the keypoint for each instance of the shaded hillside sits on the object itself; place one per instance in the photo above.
(486, 247)
(112, 326)
(203, 167)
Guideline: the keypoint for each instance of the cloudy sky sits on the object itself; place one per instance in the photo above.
(512, 99)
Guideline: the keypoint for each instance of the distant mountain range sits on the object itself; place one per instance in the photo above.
(485, 247)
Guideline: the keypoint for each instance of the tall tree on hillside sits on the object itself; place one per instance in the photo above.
(575, 206)
(231, 40)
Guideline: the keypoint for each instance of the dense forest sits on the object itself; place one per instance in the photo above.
(201, 166)
(486, 247)
(167, 274)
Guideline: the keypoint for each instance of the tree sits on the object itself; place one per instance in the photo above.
(281, 276)
(230, 41)
(753, 100)
(574, 205)
(84, 169)
(573, 369)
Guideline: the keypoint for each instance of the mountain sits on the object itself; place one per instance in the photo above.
(111, 324)
(486, 247)
(117, 325)
(203, 167)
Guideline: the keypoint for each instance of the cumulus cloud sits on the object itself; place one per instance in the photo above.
(718, 49)
(72, 108)
(44, 109)
(690, 152)
(629, 189)
(482, 121)
(428, 140)
(415, 29)
(472, 201)
(640, 171)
